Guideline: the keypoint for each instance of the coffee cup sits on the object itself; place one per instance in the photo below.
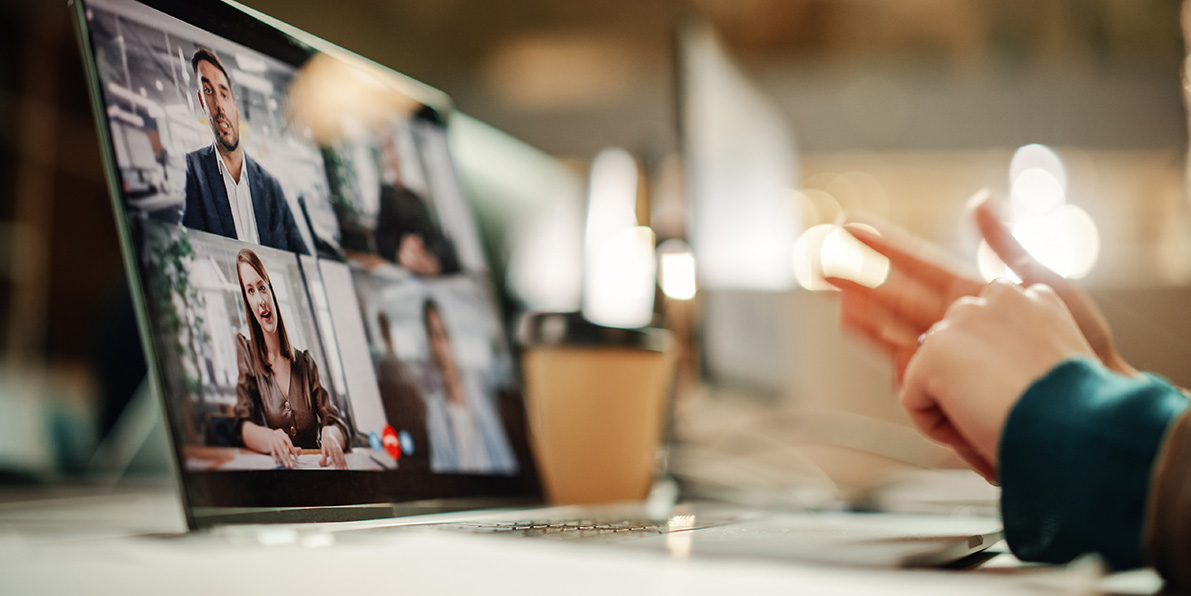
(596, 401)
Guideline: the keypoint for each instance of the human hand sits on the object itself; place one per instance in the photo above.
(412, 255)
(332, 447)
(1083, 309)
(278, 445)
(976, 362)
(922, 283)
(368, 262)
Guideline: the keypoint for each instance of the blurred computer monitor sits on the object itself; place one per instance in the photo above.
(739, 157)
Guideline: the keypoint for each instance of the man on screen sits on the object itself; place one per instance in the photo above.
(406, 232)
(227, 192)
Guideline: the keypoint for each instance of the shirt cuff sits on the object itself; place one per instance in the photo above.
(1076, 457)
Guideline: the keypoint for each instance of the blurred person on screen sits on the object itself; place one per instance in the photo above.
(464, 426)
(406, 231)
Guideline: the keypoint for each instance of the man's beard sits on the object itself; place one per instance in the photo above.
(229, 147)
(232, 132)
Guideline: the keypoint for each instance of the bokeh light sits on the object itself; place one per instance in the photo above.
(622, 275)
(808, 268)
(621, 268)
(676, 270)
(844, 256)
(1084, 238)
(828, 250)
(612, 202)
(1059, 235)
(1038, 157)
(990, 265)
(817, 206)
(1036, 192)
(860, 191)
(1066, 241)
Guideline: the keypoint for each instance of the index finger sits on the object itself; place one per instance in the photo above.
(905, 251)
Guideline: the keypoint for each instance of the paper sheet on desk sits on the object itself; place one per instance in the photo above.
(430, 562)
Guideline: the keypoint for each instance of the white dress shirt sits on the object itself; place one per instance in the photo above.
(240, 198)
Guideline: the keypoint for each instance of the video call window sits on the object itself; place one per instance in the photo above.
(315, 303)
(170, 114)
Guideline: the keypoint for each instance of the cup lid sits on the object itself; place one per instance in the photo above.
(570, 329)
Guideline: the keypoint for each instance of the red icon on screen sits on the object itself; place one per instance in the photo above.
(391, 442)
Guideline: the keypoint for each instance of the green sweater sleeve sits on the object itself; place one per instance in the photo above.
(1076, 457)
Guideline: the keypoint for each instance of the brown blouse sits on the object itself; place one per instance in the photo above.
(301, 411)
(1168, 527)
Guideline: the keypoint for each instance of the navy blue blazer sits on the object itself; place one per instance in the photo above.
(207, 207)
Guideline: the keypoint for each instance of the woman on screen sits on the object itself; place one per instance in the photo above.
(281, 406)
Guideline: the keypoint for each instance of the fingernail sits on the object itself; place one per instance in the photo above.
(860, 230)
(979, 198)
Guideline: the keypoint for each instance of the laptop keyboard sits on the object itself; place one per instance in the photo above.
(580, 528)
(563, 529)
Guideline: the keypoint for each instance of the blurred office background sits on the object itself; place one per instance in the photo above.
(903, 109)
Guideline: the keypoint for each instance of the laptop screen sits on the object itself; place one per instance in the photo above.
(319, 315)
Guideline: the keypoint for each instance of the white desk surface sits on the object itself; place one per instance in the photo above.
(132, 542)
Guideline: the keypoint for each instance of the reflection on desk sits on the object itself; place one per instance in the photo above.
(203, 458)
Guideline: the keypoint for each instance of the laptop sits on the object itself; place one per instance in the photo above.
(318, 315)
